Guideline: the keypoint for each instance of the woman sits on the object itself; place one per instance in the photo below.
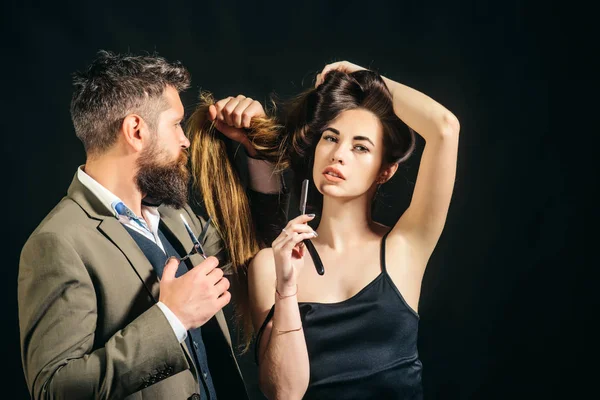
(352, 332)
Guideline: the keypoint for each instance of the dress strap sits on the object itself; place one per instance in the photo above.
(382, 256)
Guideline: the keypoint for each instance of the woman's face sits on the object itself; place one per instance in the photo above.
(349, 154)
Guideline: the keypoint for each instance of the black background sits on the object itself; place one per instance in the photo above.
(506, 297)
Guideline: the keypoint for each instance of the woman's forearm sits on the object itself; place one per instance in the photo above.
(424, 115)
(284, 369)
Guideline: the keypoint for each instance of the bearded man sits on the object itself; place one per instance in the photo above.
(112, 301)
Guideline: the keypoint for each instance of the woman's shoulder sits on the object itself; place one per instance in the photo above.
(262, 263)
(263, 255)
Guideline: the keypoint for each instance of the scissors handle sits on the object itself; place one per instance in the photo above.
(191, 253)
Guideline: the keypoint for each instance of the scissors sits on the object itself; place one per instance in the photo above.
(197, 246)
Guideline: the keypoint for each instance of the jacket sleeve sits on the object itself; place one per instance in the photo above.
(57, 319)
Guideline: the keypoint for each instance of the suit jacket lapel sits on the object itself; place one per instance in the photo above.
(116, 233)
(172, 221)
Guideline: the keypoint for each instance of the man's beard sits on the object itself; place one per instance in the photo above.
(165, 184)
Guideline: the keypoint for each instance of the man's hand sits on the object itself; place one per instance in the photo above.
(196, 296)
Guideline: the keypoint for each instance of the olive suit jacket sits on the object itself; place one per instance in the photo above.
(89, 323)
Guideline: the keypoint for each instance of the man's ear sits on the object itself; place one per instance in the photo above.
(131, 129)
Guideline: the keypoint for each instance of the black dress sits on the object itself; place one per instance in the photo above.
(364, 347)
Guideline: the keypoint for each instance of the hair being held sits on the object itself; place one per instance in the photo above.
(224, 196)
(288, 141)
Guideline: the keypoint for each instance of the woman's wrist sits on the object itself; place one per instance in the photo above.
(285, 290)
(250, 150)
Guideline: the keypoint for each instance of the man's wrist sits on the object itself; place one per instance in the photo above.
(176, 324)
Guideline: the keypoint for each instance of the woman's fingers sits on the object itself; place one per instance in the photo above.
(297, 225)
(293, 240)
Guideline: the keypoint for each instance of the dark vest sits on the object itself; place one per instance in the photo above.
(194, 341)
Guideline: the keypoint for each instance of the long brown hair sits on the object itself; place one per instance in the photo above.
(289, 144)
(224, 196)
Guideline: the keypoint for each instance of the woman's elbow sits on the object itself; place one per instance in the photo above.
(274, 389)
(450, 126)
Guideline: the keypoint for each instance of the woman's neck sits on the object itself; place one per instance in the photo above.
(345, 223)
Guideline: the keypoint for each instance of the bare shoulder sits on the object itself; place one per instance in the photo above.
(262, 263)
(261, 270)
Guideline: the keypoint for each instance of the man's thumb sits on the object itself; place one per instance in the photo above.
(170, 269)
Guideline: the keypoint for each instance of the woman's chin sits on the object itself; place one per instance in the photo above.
(332, 190)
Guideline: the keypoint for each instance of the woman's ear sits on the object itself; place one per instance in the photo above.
(387, 173)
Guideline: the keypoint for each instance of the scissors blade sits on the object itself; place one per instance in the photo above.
(193, 237)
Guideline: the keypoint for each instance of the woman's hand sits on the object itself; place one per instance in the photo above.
(232, 116)
(343, 66)
(288, 251)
